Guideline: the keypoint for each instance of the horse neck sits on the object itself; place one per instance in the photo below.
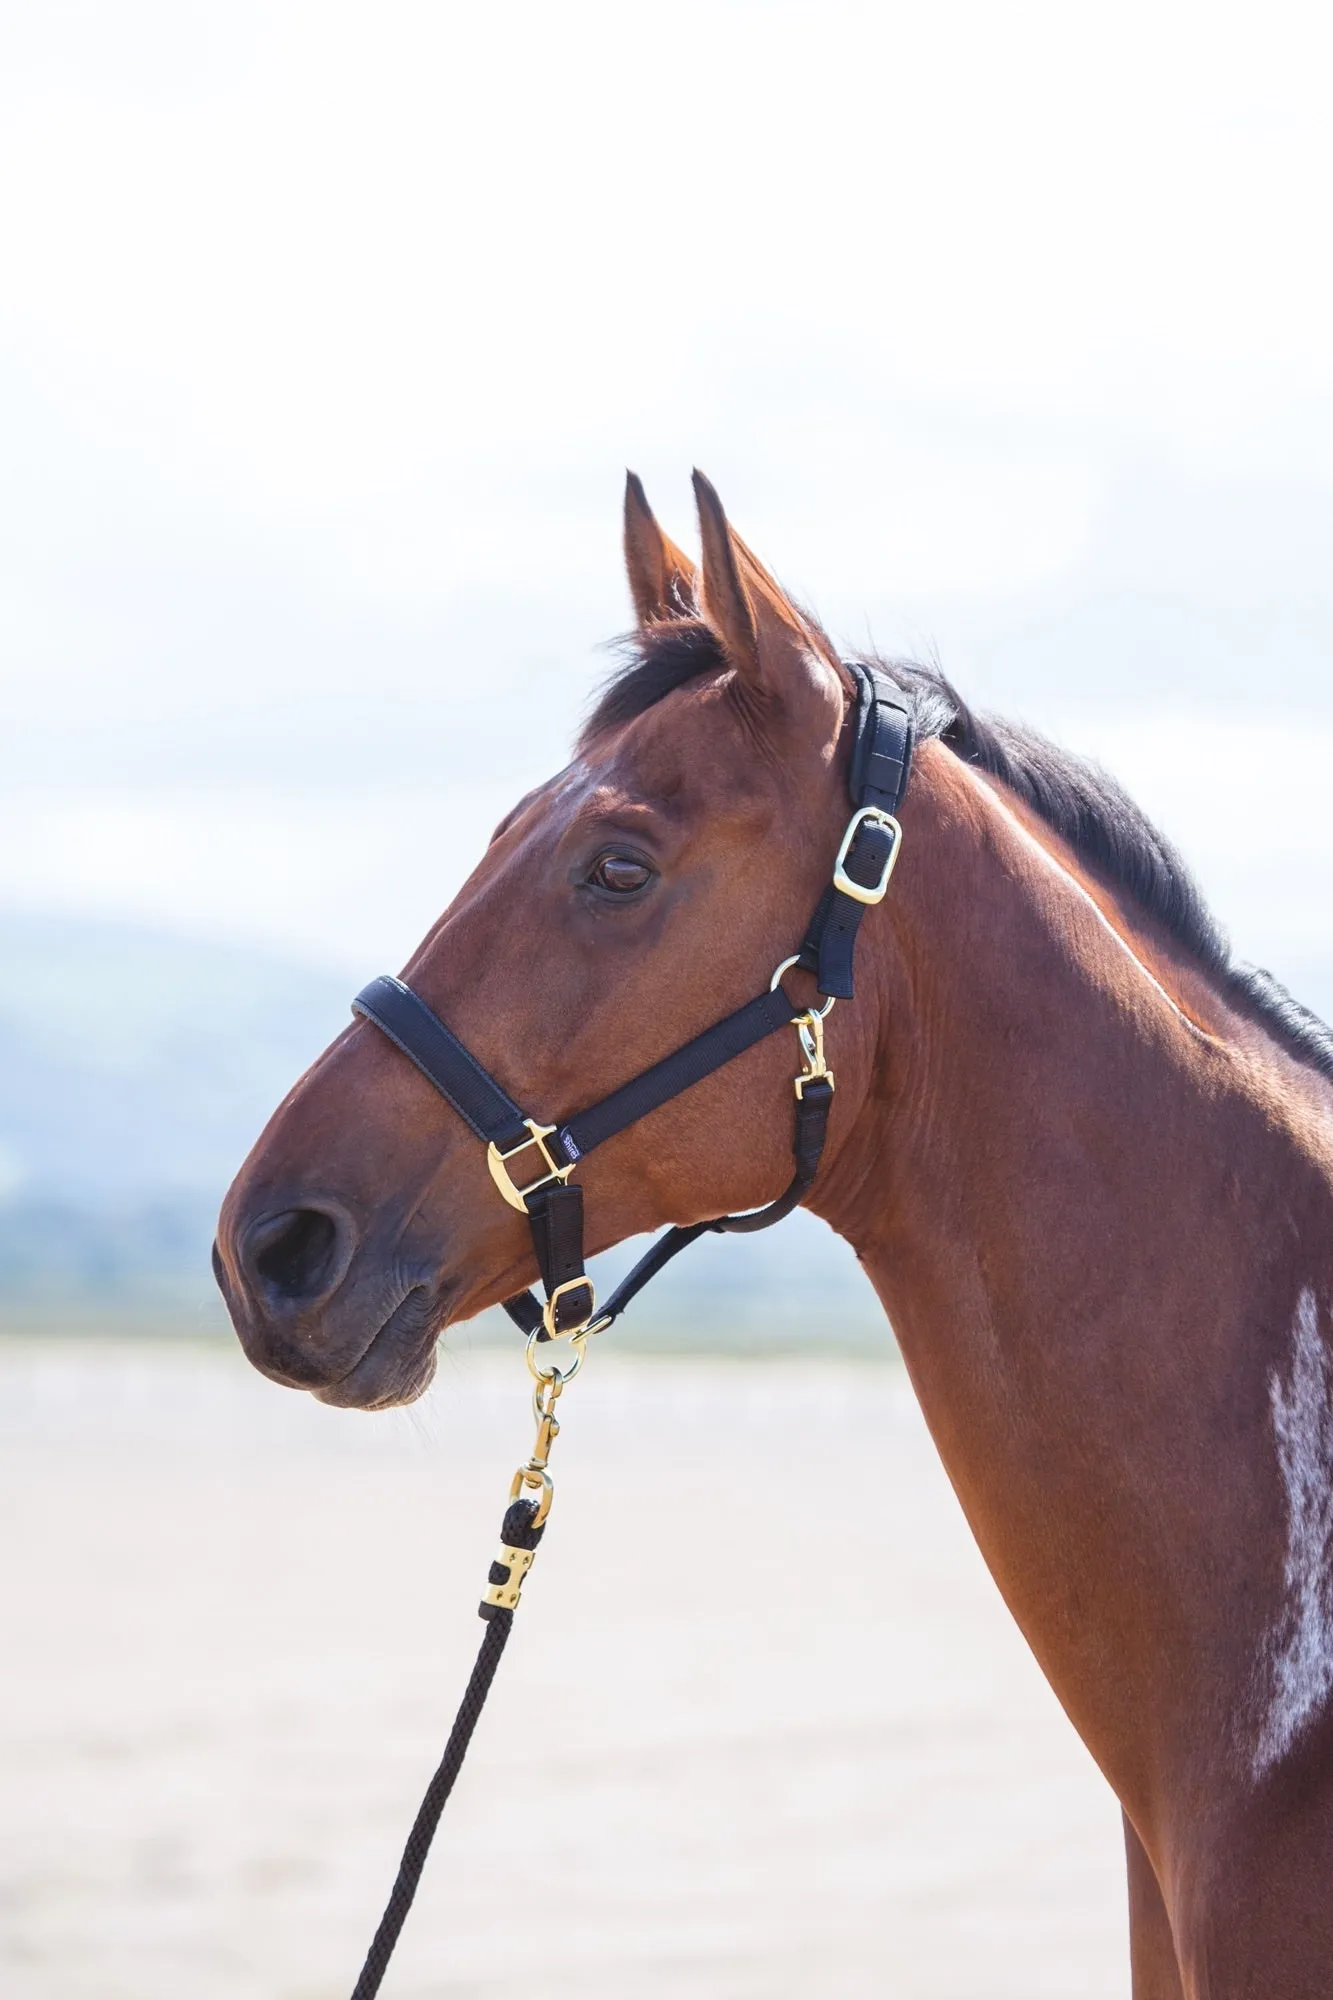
(1063, 1181)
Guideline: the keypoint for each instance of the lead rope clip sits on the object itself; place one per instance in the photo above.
(548, 1386)
(810, 1031)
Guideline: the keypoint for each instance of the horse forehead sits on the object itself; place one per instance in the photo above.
(688, 756)
(689, 746)
(589, 788)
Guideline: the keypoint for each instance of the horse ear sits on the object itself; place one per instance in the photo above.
(662, 580)
(726, 602)
(764, 633)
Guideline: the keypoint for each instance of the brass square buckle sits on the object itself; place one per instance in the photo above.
(498, 1163)
(555, 1332)
(858, 892)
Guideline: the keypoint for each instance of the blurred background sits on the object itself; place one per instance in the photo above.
(326, 333)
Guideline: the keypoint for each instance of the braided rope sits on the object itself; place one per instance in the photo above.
(519, 1533)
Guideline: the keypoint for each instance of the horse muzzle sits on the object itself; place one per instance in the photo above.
(312, 1312)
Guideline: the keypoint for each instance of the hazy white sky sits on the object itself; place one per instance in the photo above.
(326, 332)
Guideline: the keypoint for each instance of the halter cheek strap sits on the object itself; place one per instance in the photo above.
(881, 764)
(879, 770)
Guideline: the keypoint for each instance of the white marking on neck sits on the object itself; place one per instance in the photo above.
(1057, 867)
(1300, 1671)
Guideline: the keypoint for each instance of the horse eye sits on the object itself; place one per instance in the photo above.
(620, 875)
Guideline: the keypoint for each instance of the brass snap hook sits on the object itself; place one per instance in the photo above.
(810, 1031)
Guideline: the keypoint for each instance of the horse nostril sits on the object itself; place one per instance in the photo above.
(295, 1252)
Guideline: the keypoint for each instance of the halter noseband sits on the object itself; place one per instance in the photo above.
(880, 766)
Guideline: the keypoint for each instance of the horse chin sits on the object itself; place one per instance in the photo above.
(373, 1385)
(397, 1366)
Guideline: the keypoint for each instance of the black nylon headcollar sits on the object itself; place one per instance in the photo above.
(878, 772)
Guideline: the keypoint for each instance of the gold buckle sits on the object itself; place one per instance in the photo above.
(799, 1082)
(498, 1163)
(842, 880)
(548, 1310)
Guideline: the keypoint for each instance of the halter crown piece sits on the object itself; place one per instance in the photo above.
(880, 766)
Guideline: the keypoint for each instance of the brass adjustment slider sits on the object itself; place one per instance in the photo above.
(498, 1163)
(554, 1332)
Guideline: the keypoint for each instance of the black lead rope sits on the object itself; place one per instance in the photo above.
(518, 1533)
(880, 766)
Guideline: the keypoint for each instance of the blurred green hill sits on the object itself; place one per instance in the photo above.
(137, 1069)
(135, 1073)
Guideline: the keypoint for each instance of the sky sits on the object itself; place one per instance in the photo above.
(327, 332)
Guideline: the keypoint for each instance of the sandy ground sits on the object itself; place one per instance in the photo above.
(745, 1745)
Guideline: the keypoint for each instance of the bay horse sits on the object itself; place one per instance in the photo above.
(1085, 1158)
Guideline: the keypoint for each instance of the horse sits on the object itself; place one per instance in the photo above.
(1084, 1156)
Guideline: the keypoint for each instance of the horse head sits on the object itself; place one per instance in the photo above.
(644, 891)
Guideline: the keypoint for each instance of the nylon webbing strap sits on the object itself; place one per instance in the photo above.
(812, 1110)
(685, 1066)
(476, 1097)
(440, 1056)
(555, 1215)
(881, 763)
(658, 1255)
(526, 1313)
(829, 950)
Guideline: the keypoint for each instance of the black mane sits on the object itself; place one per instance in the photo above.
(657, 661)
(1077, 799)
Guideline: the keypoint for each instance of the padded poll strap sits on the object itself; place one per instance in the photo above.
(882, 748)
(440, 1056)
